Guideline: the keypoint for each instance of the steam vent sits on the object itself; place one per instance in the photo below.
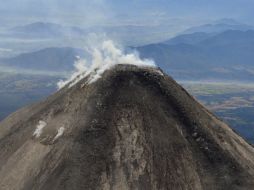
(134, 128)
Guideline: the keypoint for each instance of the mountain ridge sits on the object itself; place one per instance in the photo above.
(224, 56)
(218, 27)
(58, 59)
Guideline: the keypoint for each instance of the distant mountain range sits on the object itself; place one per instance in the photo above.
(224, 56)
(192, 38)
(127, 34)
(38, 35)
(49, 59)
(219, 26)
(204, 54)
(227, 55)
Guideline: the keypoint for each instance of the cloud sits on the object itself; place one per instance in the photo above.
(84, 12)
(5, 50)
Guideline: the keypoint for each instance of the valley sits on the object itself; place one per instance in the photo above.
(19, 90)
(231, 102)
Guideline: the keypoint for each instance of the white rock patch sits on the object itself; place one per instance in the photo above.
(60, 132)
(38, 131)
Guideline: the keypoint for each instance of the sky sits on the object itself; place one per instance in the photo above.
(117, 12)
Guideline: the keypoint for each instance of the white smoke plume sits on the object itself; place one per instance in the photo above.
(104, 57)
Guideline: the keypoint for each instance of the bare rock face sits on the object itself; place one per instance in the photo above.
(134, 128)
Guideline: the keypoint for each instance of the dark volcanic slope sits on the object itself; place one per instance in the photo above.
(132, 129)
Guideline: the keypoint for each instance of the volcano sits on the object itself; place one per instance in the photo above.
(133, 128)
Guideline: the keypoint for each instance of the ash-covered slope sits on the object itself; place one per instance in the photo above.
(134, 128)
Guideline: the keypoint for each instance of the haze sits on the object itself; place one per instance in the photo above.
(134, 12)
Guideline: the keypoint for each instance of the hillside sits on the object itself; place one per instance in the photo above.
(133, 128)
(192, 38)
